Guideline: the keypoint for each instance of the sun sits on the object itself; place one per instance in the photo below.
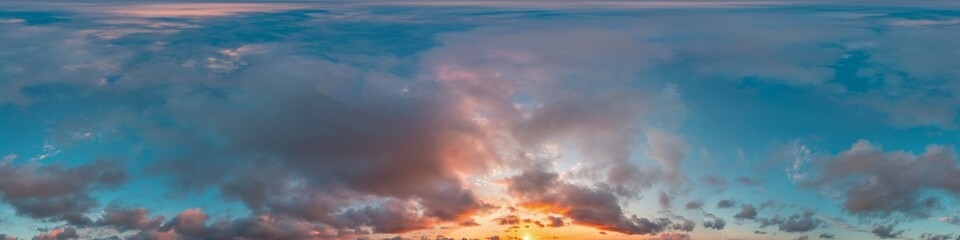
(526, 237)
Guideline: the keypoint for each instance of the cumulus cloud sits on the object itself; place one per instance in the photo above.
(671, 236)
(713, 222)
(717, 182)
(507, 220)
(875, 182)
(128, 219)
(52, 192)
(747, 211)
(553, 221)
(886, 231)
(193, 224)
(726, 203)
(803, 221)
(590, 206)
(58, 234)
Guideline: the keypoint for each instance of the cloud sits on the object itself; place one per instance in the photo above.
(826, 236)
(469, 223)
(801, 222)
(886, 231)
(11, 21)
(925, 22)
(747, 211)
(58, 234)
(192, 10)
(746, 181)
(553, 221)
(670, 150)
(507, 220)
(694, 205)
(128, 219)
(390, 217)
(665, 200)
(596, 207)
(875, 182)
(681, 223)
(671, 236)
(715, 181)
(356, 144)
(277, 227)
(192, 224)
(726, 203)
(934, 236)
(713, 222)
(955, 220)
(51, 192)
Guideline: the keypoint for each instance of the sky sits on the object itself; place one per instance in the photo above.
(489, 120)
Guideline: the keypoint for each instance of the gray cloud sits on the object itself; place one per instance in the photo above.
(726, 203)
(553, 221)
(58, 234)
(192, 224)
(590, 206)
(670, 150)
(712, 222)
(955, 220)
(886, 231)
(52, 192)
(717, 182)
(934, 236)
(747, 211)
(874, 182)
(128, 219)
(803, 221)
(507, 220)
(665, 200)
(746, 181)
(671, 236)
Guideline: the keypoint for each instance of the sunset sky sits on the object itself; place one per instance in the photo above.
(488, 120)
